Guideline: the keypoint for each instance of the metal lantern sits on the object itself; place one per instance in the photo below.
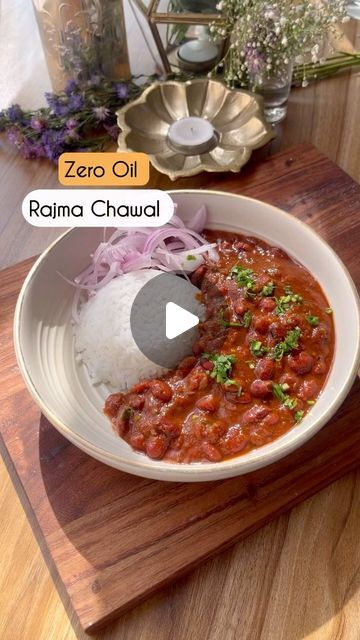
(180, 29)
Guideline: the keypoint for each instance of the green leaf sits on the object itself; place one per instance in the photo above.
(298, 415)
(284, 302)
(247, 317)
(268, 289)
(290, 342)
(244, 277)
(258, 349)
(313, 320)
(190, 257)
(284, 398)
(222, 367)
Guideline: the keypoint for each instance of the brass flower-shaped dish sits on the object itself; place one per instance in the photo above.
(234, 114)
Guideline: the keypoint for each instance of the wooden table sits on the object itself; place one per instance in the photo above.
(298, 577)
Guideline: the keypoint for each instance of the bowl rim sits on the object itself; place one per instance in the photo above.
(225, 469)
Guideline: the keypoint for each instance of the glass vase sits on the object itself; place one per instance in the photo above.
(82, 39)
(275, 90)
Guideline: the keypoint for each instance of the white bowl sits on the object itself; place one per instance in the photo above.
(61, 386)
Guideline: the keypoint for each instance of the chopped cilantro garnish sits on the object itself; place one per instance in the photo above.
(283, 303)
(258, 349)
(298, 415)
(329, 310)
(247, 317)
(268, 289)
(290, 342)
(284, 398)
(244, 322)
(227, 323)
(190, 257)
(244, 278)
(222, 367)
(313, 320)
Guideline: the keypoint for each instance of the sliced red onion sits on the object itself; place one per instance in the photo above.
(174, 247)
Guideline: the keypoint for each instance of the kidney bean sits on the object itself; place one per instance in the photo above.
(320, 366)
(308, 390)
(320, 335)
(262, 323)
(156, 446)
(278, 330)
(169, 428)
(235, 398)
(208, 403)
(255, 414)
(267, 304)
(212, 453)
(242, 246)
(261, 388)
(142, 386)
(197, 380)
(290, 379)
(213, 432)
(161, 390)
(198, 275)
(265, 369)
(135, 401)
(137, 440)
(235, 441)
(259, 436)
(239, 306)
(113, 404)
(187, 364)
(206, 364)
(301, 363)
(270, 420)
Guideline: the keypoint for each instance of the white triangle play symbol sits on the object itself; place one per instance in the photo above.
(178, 320)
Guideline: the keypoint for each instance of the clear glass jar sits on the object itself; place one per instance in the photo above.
(275, 90)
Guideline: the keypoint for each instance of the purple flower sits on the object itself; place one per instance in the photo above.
(15, 136)
(71, 136)
(30, 149)
(38, 123)
(72, 123)
(254, 60)
(94, 81)
(122, 90)
(71, 86)
(51, 99)
(53, 143)
(15, 113)
(76, 102)
(101, 113)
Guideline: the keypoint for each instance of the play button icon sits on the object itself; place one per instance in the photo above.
(164, 318)
(178, 320)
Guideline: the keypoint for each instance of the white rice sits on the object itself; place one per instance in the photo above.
(103, 336)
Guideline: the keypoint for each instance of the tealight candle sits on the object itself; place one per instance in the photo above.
(198, 52)
(192, 135)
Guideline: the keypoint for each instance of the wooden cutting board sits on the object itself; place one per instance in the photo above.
(114, 538)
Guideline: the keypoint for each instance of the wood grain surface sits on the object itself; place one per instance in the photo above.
(156, 531)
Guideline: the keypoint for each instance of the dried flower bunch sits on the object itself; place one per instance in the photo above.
(81, 118)
(264, 36)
